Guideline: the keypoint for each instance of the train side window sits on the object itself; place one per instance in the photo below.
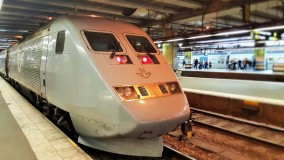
(60, 42)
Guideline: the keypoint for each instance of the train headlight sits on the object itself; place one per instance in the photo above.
(121, 59)
(127, 93)
(173, 87)
(145, 59)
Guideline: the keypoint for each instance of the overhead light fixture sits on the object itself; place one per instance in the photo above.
(270, 28)
(158, 41)
(12, 40)
(186, 47)
(1, 2)
(174, 40)
(202, 36)
(232, 32)
(18, 37)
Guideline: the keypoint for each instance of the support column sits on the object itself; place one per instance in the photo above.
(259, 58)
(168, 47)
(187, 57)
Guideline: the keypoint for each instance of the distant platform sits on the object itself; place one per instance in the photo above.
(266, 75)
(257, 101)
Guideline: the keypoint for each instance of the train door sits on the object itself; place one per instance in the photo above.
(45, 46)
(7, 63)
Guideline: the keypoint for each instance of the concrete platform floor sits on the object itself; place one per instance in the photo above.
(25, 134)
(13, 143)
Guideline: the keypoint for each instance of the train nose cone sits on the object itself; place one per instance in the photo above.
(153, 117)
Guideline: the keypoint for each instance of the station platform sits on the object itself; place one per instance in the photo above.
(27, 135)
(259, 101)
(258, 75)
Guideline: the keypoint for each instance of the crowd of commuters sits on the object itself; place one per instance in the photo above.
(202, 65)
(246, 64)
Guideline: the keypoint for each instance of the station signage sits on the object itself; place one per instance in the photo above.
(264, 35)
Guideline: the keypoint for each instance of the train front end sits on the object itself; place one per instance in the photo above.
(142, 99)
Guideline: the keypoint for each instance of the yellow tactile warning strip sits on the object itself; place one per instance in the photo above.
(45, 139)
(72, 142)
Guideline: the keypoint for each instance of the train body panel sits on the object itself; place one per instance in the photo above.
(3, 61)
(24, 64)
(110, 103)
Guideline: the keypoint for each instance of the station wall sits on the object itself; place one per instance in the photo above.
(218, 59)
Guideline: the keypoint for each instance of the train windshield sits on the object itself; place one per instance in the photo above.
(141, 44)
(103, 41)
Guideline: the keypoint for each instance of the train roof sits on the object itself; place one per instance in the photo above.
(98, 23)
(89, 23)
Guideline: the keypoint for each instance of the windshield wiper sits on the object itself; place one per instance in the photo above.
(116, 48)
(112, 54)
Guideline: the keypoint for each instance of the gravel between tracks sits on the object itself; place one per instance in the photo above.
(235, 146)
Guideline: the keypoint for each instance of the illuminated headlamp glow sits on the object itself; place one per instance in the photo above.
(145, 60)
(127, 93)
(121, 59)
(174, 87)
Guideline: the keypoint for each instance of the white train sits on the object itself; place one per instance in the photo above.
(104, 75)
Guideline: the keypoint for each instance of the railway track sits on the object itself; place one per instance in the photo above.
(168, 153)
(168, 150)
(270, 135)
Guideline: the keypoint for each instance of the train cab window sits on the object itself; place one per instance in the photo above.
(60, 42)
(103, 41)
(141, 44)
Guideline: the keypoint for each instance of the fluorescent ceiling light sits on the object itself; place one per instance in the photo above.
(158, 41)
(174, 40)
(270, 28)
(1, 2)
(226, 39)
(12, 40)
(232, 32)
(187, 47)
(202, 36)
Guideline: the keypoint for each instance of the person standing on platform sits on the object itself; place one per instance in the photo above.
(249, 63)
(210, 65)
(227, 63)
(206, 65)
(253, 64)
(195, 63)
(239, 64)
(200, 66)
(183, 63)
(245, 64)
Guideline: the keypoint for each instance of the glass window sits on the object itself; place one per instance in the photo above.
(103, 41)
(60, 42)
(141, 44)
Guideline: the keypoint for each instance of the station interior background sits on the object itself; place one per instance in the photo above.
(219, 31)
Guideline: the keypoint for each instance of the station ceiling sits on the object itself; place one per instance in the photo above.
(158, 18)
